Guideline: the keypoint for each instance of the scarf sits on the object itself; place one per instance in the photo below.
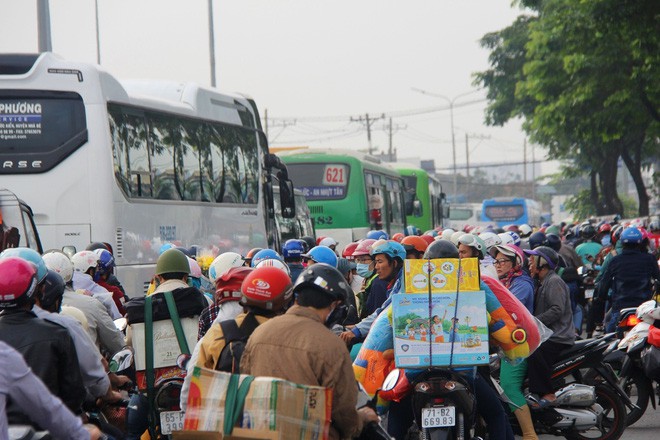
(508, 278)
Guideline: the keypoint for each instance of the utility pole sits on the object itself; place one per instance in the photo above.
(266, 122)
(211, 42)
(369, 121)
(533, 173)
(525, 160)
(392, 128)
(467, 167)
(98, 38)
(43, 20)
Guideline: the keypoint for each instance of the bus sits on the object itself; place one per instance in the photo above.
(424, 201)
(463, 214)
(135, 163)
(17, 228)
(296, 227)
(348, 193)
(511, 211)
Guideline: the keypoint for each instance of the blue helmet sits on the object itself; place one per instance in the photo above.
(106, 261)
(322, 254)
(165, 247)
(30, 256)
(293, 249)
(389, 248)
(377, 235)
(630, 235)
(264, 254)
(515, 236)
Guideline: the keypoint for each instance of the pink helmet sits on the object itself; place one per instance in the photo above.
(363, 247)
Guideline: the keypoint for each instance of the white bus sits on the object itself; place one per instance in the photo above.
(135, 163)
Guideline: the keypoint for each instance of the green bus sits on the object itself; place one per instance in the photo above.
(348, 193)
(424, 202)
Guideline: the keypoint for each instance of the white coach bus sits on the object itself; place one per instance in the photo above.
(135, 163)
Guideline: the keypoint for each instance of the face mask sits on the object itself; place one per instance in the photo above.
(363, 270)
(356, 284)
(606, 240)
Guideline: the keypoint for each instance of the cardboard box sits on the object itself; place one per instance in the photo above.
(441, 334)
(238, 434)
(166, 346)
(294, 411)
(442, 275)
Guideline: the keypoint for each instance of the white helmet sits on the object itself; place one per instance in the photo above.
(60, 263)
(648, 311)
(525, 230)
(272, 262)
(223, 263)
(83, 260)
(328, 241)
(506, 238)
(455, 236)
(446, 234)
(491, 239)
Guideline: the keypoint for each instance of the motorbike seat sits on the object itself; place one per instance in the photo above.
(576, 348)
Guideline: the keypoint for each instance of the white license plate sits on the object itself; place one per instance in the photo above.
(438, 417)
(171, 421)
(588, 293)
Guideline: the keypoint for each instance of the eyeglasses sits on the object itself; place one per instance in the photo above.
(363, 260)
(501, 261)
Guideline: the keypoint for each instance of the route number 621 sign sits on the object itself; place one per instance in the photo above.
(335, 175)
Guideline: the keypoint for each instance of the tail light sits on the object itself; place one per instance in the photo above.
(630, 321)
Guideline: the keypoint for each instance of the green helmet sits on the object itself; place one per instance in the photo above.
(172, 261)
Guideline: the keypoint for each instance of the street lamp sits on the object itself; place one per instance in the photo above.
(451, 116)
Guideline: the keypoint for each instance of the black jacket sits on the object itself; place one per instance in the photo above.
(49, 351)
(629, 276)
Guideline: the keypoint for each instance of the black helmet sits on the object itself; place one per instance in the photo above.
(554, 242)
(441, 249)
(325, 279)
(52, 290)
(537, 239)
(588, 231)
(96, 245)
(548, 255)
(309, 241)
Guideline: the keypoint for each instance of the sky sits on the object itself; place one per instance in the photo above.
(316, 67)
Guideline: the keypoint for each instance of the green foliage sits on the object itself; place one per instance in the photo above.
(580, 206)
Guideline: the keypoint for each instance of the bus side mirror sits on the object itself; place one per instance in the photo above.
(69, 251)
(287, 201)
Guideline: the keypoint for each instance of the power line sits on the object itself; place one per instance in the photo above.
(489, 165)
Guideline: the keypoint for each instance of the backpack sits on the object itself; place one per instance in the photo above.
(235, 339)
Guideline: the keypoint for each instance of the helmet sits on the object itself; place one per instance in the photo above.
(106, 262)
(441, 249)
(264, 254)
(171, 261)
(398, 237)
(97, 245)
(525, 230)
(188, 252)
(53, 290)
(267, 288)
(390, 248)
(377, 235)
(616, 233)
(537, 239)
(553, 229)
(322, 254)
(222, 263)
(648, 311)
(654, 226)
(18, 280)
(58, 262)
(432, 232)
(165, 247)
(349, 249)
(228, 285)
(475, 242)
(605, 228)
(455, 236)
(505, 237)
(587, 231)
(414, 242)
(490, 238)
(83, 260)
(428, 239)
(631, 235)
(548, 255)
(293, 249)
(512, 228)
(412, 230)
(344, 266)
(510, 251)
(272, 262)
(195, 270)
(251, 253)
(309, 241)
(554, 241)
(363, 247)
(318, 240)
(328, 241)
(446, 234)
(30, 256)
(515, 237)
(324, 279)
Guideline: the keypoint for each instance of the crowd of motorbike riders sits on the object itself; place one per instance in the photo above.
(57, 331)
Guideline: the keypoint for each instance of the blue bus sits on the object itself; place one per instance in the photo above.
(511, 211)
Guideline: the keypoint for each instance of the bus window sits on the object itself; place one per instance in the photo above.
(166, 140)
(396, 211)
(130, 153)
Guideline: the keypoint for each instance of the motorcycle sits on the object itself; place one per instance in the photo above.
(25, 432)
(373, 430)
(443, 402)
(595, 411)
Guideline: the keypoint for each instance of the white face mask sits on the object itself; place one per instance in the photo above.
(356, 284)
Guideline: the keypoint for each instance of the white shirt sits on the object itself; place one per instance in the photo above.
(83, 281)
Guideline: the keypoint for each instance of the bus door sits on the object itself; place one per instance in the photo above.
(376, 201)
(396, 216)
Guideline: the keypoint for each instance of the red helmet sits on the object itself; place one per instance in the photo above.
(417, 243)
(512, 228)
(318, 240)
(267, 288)
(363, 247)
(18, 280)
(605, 227)
(349, 249)
(428, 239)
(228, 286)
(398, 237)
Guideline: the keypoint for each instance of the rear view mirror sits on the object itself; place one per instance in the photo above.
(69, 251)
(287, 201)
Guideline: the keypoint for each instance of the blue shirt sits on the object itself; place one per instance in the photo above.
(522, 288)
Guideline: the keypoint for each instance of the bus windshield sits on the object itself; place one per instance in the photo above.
(504, 213)
(320, 181)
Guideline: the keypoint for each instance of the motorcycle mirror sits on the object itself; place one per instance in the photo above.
(391, 380)
(182, 361)
(580, 270)
(121, 324)
(121, 361)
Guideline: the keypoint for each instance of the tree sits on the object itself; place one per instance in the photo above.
(580, 74)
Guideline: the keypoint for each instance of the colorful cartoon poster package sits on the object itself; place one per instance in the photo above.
(443, 275)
